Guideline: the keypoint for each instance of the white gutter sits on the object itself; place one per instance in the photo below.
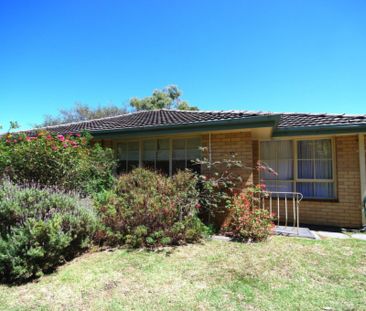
(361, 150)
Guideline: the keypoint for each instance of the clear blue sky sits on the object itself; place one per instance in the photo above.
(307, 56)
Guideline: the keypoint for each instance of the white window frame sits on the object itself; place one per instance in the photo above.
(295, 164)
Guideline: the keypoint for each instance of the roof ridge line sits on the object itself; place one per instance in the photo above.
(84, 121)
(332, 114)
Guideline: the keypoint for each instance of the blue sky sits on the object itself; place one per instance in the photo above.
(307, 56)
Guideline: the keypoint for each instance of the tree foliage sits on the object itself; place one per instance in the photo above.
(167, 98)
(82, 112)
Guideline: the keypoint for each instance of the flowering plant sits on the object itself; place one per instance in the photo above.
(248, 221)
(70, 161)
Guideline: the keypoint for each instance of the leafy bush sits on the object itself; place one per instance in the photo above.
(39, 229)
(69, 162)
(248, 221)
(218, 183)
(148, 209)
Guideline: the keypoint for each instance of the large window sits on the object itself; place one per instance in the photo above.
(312, 172)
(278, 155)
(164, 155)
(315, 168)
(128, 156)
(184, 152)
(156, 155)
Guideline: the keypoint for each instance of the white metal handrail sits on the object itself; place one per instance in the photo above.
(295, 197)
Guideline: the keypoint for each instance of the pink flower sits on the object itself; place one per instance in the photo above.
(198, 206)
(60, 137)
(54, 148)
(49, 137)
(262, 186)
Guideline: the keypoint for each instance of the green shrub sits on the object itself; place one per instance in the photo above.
(147, 209)
(70, 162)
(217, 186)
(248, 221)
(40, 229)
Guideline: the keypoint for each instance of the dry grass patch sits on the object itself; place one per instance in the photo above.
(280, 274)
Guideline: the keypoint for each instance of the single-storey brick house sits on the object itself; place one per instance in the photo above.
(321, 156)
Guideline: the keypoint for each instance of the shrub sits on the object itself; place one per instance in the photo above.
(40, 229)
(248, 221)
(70, 162)
(147, 209)
(217, 186)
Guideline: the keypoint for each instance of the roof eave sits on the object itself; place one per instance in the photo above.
(320, 130)
(249, 122)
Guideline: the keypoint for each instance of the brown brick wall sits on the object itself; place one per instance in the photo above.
(239, 143)
(345, 212)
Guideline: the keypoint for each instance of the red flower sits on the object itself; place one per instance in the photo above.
(60, 137)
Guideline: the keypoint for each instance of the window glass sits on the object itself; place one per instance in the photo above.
(149, 154)
(128, 156)
(278, 155)
(315, 165)
(133, 155)
(184, 151)
(122, 158)
(162, 156)
(316, 190)
(193, 153)
(178, 155)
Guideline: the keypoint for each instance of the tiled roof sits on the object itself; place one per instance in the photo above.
(291, 120)
(154, 118)
(164, 118)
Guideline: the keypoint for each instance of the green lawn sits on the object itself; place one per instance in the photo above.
(281, 274)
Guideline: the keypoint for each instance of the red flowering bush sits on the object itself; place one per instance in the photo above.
(70, 162)
(147, 209)
(248, 221)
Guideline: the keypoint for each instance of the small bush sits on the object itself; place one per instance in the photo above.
(40, 229)
(147, 209)
(217, 186)
(69, 162)
(248, 221)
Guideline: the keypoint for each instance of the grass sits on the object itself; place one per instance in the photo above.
(281, 274)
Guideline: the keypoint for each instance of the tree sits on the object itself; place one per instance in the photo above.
(82, 112)
(167, 98)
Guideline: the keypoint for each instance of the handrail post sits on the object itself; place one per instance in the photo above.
(296, 198)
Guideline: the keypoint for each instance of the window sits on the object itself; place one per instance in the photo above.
(156, 155)
(128, 156)
(311, 174)
(278, 155)
(315, 168)
(164, 155)
(183, 152)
